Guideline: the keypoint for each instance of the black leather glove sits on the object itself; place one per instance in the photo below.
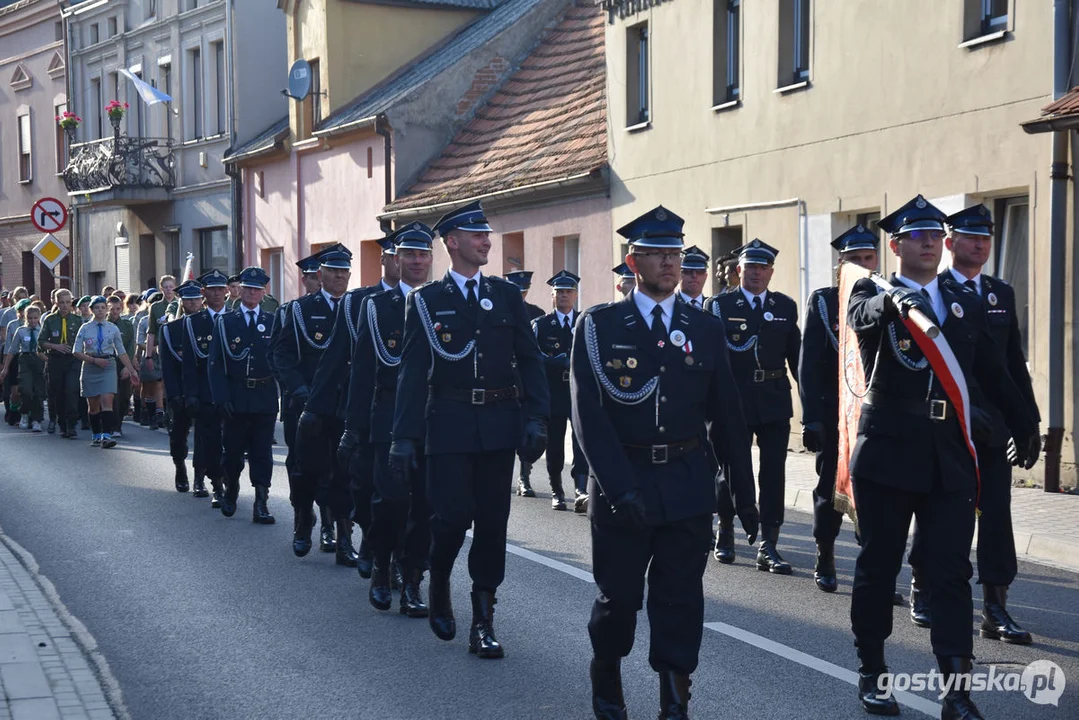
(403, 461)
(904, 299)
(629, 508)
(1024, 452)
(346, 446)
(299, 397)
(751, 522)
(310, 422)
(813, 437)
(981, 424)
(535, 442)
(192, 405)
(226, 410)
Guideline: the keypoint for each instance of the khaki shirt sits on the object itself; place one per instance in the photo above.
(52, 329)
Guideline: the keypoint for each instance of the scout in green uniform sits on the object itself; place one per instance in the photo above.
(58, 332)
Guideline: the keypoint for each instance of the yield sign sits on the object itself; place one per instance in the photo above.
(48, 215)
(50, 251)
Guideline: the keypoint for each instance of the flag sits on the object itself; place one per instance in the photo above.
(852, 384)
(149, 94)
(189, 268)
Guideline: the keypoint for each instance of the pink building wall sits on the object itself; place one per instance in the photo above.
(589, 220)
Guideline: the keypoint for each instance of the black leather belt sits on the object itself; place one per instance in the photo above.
(103, 357)
(257, 382)
(660, 454)
(762, 375)
(475, 396)
(932, 409)
(387, 391)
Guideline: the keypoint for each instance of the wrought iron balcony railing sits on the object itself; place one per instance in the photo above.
(120, 162)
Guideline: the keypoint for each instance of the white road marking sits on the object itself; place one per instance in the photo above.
(915, 702)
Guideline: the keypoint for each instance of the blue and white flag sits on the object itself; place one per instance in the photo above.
(149, 94)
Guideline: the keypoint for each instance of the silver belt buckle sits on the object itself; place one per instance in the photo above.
(938, 409)
(659, 454)
(565, 376)
(479, 396)
(250, 384)
(758, 376)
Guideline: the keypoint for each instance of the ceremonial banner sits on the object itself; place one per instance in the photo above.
(852, 384)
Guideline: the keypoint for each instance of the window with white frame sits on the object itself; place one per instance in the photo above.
(794, 25)
(111, 27)
(25, 150)
(214, 249)
(166, 86)
(637, 75)
(726, 50)
(220, 88)
(94, 37)
(984, 17)
(98, 128)
(1011, 255)
(194, 65)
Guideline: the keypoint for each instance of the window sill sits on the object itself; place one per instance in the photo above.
(984, 39)
(639, 126)
(729, 105)
(27, 181)
(792, 88)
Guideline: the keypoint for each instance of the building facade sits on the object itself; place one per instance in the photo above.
(150, 189)
(33, 152)
(804, 117)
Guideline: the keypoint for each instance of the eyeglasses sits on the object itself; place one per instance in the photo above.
(924, 235)
(664, 257)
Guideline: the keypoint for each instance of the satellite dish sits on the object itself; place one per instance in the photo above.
(299, 80)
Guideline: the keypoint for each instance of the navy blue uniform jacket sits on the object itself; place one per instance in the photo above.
(239, 356)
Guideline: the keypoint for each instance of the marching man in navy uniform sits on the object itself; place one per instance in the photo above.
(523, 280)
(457, 392)
(198, 331)
(649, 375)
(911, 457)
(627, 280)
(694, 276)
(818, 386)
(763, 337)
(172, 361)
(397, 511)
(244, 392)
(554, 333)
(970, 239)
(306, 331)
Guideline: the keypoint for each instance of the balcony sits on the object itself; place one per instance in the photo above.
(120, 170)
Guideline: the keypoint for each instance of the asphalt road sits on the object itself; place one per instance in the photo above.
(202, 616)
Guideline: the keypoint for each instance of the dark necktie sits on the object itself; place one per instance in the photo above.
(100, 338)
(565, 323)
(757, 303)
(333, 305)
(695, 302)
(470, 292)
(33, 339)
(250, 324)
(659, 331)
(972, 285)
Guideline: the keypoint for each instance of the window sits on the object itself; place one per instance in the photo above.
(93, 34)
(61, 141)
(195, 66)
(172, 253)
(166, 86)
(221, 81)
(984, 17)
(724, 241)
(273, 261)
(98, 128)
(1011, 261)
(25, 163)
(58, 31)
(151, 9)
(140, 127)
(114, 85)
(794, 16)
(214, 249)
(637, 75)
(726, 50)
(312, 104)
(111, 27)
(513, 252)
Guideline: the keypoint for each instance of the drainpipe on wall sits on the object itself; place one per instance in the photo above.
(1058, 250)
(73, 212)
(234, 172)
(383, 129)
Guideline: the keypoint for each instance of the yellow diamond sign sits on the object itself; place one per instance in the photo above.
(50, 251)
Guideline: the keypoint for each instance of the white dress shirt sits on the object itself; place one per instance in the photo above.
(697, 302)
(247, 318)
(402, 286)
(749, 296)
(563, 317)
(461, 280)
(645, 305)
(962, 279)
(935, 298)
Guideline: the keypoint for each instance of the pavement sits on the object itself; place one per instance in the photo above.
(194, 615)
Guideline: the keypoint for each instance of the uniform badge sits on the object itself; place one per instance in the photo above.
(631, 363)
(391, 343)
(920, 204)
(56, 333)
(689, 360)
(236, 341)
(661, 215)
(991, 298)
(438, 326)
(835, 327)
(446, 337)
(743, 326)
(625, 381)
(615, 364)
(556, 346)
(486, 304)
(260, 327)
(769, 316)
(678, 338)
(957, 310)
(904, 344)
(735, 337)
(318, 336)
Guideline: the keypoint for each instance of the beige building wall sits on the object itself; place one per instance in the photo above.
(893, 106)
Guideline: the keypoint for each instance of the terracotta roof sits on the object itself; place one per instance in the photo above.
(547, 122)
(1061, 114)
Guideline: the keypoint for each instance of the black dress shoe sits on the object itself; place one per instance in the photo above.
(346, 554)
(260, 514)
(957, 704)
(397, 575)
(608, 702)
(674, 696)
(303, 522)
(997, 624)
(215, 501)
(869, 694)
(524, 489)
(580, 502)
(412, 604)
(199, 488)
(824, 572)
(919, 605)
(229, 494)
(481, 638)
(898, 600)
(380, 594)
(364, 559)
(768, 558)
(724, 550)
(52, 427)
(181, 478)
(558, 502)
(327, 543)
(440, 615)
(228, 506)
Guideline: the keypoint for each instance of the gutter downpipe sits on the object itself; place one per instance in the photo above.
(803, 232)
(73, 212)
(382, 129)
(235, 172)
(1058, 248)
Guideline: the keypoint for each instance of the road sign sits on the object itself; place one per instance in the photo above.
(48, 215)
(50, 251)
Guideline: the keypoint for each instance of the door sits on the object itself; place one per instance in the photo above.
(147, 261)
